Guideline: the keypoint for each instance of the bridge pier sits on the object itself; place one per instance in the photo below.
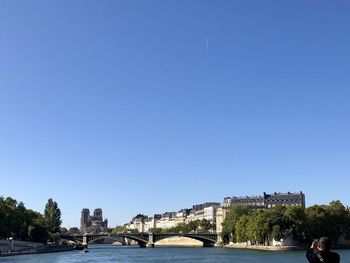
(142, 244)
(208, 244)
(219, 241)
(85, 240)
(150, 240)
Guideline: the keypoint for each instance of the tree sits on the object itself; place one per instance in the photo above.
(181, 227)
(327, 220)
(276, 232)
(347, 225)
(317, 222)
(22, 221)
(241, 229)
(132, 230)
(108, 230)
(205, 225)
(278, 224)
(156, 230)
(232, 216)
(193, 225)
(338, 220)
(297, 225)
(55, 237)
(52, 215)
(64, 231)
(38, 231)
(258, 227)
(14, 219)
(119, 230)
(2, 218)
(73, 231)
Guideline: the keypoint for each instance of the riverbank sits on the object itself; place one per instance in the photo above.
(39, 250)
(260, 247)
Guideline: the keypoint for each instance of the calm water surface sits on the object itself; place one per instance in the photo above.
(106, 253)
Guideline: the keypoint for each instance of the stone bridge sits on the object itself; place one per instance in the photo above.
(143, 239)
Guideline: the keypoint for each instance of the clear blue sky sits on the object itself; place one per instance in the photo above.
(152, 106)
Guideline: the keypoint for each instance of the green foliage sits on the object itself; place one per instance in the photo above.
(261, 226)
(232, 217)
(73, 231)
(295, 219)
(184, 228)
(55, 237)
(156, 230)
(132, 231)
(15, 219)
(119, 230)
(241, 229)
(38, 231)
(21, 223)
(52, 215)
(192, 226)
(276, 232)
(205, 225)
(64, 231)
(332, 221)
(107, 230)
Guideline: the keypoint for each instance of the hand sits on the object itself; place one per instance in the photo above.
(314, 245)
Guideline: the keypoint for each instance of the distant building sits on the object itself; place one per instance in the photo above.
(287, 199)
(138, 223)
(220, 217)
(264, 201)
(167, 220)
(267, 200)
(92, 224)
(204, 211)
(84, 220)
(181, 216)
(149, 224)
(211, 211)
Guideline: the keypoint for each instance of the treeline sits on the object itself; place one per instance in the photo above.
(192, 226)
(260, 227)
(203, 225)
(20, 223)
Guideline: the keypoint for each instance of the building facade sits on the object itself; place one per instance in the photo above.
(181, 216)
(212, 211)
(167, 220)
(264, 201)
(267, 200)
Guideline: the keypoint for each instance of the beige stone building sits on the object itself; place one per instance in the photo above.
(220, 216)
(181, 216)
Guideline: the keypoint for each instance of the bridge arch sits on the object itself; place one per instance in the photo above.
(116, 238)
(140, 239)
(74, 239)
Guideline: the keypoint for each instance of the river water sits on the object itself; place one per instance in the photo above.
(107, 253)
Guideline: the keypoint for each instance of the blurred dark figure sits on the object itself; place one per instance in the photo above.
(320, 252)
